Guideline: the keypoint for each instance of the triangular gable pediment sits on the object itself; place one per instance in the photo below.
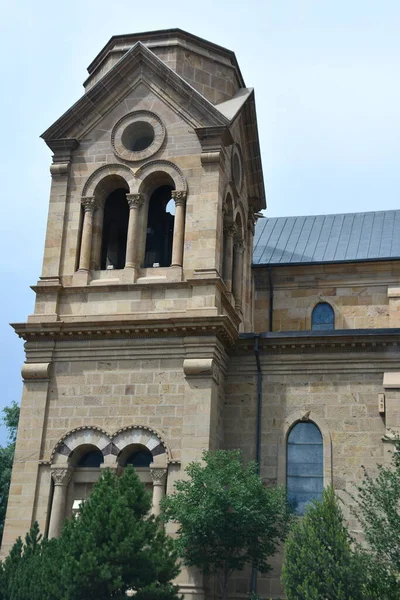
(139, 65)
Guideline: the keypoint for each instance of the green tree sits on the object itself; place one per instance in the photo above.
(319, 560)
(227, 518)
(112, 546)
(10, 419)
(377, 507)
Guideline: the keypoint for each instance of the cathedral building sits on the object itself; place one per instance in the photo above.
(172, 317)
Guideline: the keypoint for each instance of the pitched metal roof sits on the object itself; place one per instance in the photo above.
(327, 238)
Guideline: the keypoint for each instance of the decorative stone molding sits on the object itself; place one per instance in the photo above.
(134, 200)
(158, 475)
(391, 380)
(110, 443)
(93, 182)
(179, 197)
(129, 120)
(157, 166)
(61, 476)
(59, 169)
(201, 367)
(62, 150)
(35, 371)
(211, 158)
(89, 203)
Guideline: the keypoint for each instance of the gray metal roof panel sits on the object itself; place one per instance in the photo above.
(327, 238)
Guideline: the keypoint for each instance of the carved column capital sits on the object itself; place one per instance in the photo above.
(179, 197)
(230, 230)
(158, 475)
(134, 200)
(89, 203)
(61, 476)
(239, 247)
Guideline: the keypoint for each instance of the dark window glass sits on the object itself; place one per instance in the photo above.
(304, 465)
(323, 317)
(93, 458)
(140, 458)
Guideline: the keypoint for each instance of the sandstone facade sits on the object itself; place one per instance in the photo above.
(156, 354)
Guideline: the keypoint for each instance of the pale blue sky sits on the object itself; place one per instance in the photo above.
(326, 75)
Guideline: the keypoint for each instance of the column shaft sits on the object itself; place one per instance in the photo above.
(158, 476)
(135, 202)
(229, 232)
(61, 478)
(179, 228)
(89, 206)
(238, 274)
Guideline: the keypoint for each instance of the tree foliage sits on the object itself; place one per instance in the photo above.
(112, 546)
(227, 518)
(319, 560)
(10, 420)
(377, 507)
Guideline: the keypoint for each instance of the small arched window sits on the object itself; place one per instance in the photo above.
(323, 317)
(304, 465)
(140, 458)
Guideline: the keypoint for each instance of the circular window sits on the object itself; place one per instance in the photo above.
(237, 172)
(137, 135)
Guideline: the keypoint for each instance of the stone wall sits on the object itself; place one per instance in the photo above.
(338, 391)
(358, 293)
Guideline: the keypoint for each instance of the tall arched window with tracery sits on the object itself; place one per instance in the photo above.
(323, 317)
(304, 469)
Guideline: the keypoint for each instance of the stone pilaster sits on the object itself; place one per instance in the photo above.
(238, 251)
(59, 170)
(25, 474)
(61, 479)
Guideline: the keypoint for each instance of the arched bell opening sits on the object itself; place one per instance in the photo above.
(139, 457)
(85, 462)
(160, 228)
(115, 230)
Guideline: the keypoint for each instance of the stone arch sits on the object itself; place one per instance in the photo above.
(143, 436)
(305, 416)
(155, 173)
(98, 180)
(81, 436)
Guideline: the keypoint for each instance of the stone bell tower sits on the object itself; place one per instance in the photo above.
(146, 280)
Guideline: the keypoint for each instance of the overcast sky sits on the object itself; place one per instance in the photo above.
(326, 78)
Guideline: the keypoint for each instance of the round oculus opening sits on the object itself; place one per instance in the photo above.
(138, 136)
(236, 169)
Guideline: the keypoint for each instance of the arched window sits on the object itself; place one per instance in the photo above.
(304, 473)
(323, 317)
(160, 228)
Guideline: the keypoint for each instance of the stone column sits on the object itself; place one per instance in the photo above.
(179, 228)
(238, 250)
(135, 201)
(89, 206)
(158, 476)
(61, 478)
(229, 232)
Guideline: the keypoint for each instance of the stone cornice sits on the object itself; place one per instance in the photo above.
(328, 342)
(220, 326)
(96, 103)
